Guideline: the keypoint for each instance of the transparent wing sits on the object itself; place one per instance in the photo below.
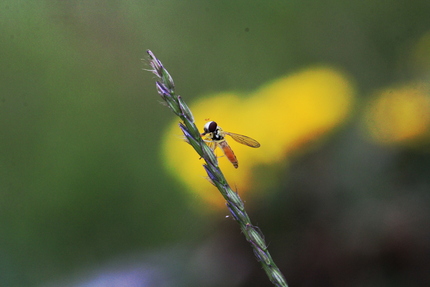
(244, 140)
(211, 144)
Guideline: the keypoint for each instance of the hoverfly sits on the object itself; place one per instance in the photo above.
(215, 136)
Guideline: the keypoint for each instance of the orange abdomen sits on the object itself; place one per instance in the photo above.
(229, 153)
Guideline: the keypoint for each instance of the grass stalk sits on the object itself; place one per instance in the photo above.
(166, 89)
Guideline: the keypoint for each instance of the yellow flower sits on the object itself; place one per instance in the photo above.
(282, 115)
(400, 115)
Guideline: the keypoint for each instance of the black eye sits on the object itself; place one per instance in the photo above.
(210, 127)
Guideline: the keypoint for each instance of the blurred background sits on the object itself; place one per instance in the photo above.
(87, 197)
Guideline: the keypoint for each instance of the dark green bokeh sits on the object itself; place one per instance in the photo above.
(81, 177)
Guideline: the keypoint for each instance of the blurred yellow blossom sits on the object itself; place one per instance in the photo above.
(400, 115)
(282, 115)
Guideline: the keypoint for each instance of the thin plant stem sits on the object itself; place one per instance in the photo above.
(166, 89)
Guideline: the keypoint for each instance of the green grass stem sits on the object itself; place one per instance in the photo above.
(166, 89)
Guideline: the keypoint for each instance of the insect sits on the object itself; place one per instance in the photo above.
(215, 137)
